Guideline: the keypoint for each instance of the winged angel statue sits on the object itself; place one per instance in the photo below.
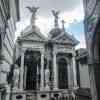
(33, 10)
(55, 14)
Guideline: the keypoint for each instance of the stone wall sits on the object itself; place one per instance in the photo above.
(8, 18)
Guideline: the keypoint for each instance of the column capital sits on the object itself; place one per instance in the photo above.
(73, 54)
(23, 50)
(42, 51)
(54, 52)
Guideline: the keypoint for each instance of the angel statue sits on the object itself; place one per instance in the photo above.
(55, 14)
(33, 10)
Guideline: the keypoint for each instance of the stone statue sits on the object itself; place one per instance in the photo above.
(55, 14)
(33, 10)
(16, 76)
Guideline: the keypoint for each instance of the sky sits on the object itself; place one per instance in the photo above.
(71, 11)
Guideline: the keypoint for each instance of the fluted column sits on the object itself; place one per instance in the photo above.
(92, 82)
(74, 71)
(22, 69)
(42, 70)
(69, 75)
(55, 71)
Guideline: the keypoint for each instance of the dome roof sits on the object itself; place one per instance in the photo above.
(55, 32)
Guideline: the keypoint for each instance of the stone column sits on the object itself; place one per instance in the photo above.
(42, 70)
(69, 75)
(74, 71)
(55, 71)
(25, 73)
(22, 69)
(92, 82)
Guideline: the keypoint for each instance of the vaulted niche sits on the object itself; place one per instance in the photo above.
(32, 70)
(62, 73)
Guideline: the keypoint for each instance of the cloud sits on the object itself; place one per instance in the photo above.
(82, 43)
(71, 11)
(76, 14)
(47, 5)
(46, 23)
(77, 29)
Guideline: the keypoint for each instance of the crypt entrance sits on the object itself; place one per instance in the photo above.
(62, 72)
(32, 68)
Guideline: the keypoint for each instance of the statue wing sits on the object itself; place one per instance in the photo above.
(37, 8)
(30, 9)
(53, 11)
(33, 9)
(57, 13)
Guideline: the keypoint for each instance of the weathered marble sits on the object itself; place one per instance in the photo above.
(9, 15)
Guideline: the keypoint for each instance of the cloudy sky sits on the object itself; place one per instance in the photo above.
(70, 10)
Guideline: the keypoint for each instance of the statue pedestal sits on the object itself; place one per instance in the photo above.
(47, 75)
(47, 88)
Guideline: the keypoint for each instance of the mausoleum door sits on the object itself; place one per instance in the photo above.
(62, 74)
(32, 61)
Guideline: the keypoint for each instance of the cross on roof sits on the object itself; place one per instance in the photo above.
(63, 25)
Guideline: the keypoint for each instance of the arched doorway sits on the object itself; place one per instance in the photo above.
(96, 58)
(62, 74)
(32, 66)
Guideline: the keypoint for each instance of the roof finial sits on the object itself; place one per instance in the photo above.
(33, 10)
(55, 14)
(63, 25)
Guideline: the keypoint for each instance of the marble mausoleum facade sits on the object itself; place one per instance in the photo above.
(45, 67)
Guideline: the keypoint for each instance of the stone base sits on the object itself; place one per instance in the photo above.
(42, 95)
(47, 88)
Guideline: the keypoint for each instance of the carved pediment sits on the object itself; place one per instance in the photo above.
(34, 36)
(32, 33)
(66, 38)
